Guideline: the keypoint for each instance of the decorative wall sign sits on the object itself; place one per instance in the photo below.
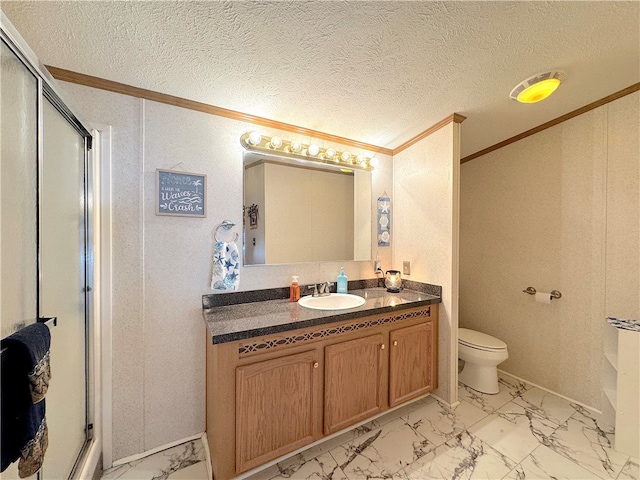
(180, 193)
(384, 221)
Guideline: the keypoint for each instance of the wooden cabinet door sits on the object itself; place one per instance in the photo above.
(352, 381)
(275, 408)
(411, 366)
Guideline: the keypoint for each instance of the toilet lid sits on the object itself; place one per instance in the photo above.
(474, 339)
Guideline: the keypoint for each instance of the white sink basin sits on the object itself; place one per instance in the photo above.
(334, 301)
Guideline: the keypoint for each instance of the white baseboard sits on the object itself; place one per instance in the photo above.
(599, 412)
(138, 456)
(207, 454)
(450, 405)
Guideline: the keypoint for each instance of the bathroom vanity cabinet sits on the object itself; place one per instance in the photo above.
(274, 407)
(270, 395)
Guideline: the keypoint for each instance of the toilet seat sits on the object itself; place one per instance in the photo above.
(480, 341)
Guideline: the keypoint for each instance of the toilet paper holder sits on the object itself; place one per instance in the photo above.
(532, 291)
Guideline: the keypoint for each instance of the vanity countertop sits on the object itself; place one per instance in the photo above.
(241, 321)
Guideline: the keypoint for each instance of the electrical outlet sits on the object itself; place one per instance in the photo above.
(406, 268)
(377, 266)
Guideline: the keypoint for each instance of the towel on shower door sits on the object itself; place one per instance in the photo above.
(25, 379)
(226, 266)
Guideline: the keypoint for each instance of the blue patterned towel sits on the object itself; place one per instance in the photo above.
(25, 378)
(226, 266)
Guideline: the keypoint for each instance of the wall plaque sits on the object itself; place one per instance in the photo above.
(180, 193)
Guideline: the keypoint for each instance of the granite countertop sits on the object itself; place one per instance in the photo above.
(239, 321)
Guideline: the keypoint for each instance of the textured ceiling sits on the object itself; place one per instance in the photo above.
(375, 71)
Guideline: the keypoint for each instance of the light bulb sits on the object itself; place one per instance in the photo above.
(330, 153)
(276, 142)
(373, 161)
(254, 138)
(345, 157)
(295, 147)
(361, 159)
(313, 149)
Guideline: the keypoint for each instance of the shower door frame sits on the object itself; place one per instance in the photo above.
(48, 92)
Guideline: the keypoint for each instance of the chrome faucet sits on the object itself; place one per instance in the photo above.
(325, 288)
(321, 289)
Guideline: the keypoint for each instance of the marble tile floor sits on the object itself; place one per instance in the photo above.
(521, 433)
(183, 462)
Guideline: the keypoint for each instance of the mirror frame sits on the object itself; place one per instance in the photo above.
(362, 207)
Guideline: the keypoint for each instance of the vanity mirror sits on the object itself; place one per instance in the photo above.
(297, 211)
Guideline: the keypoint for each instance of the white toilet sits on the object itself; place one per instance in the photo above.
(481, 354)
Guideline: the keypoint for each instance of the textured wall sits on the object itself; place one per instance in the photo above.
(535, 214)
(425, 223)
(161, 265)
(623, 208)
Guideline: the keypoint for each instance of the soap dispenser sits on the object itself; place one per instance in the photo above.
(342, 282)
(294, 290)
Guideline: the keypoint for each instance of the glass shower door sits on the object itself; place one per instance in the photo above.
(62, 288)
(18, 199)
(45, 258)
(18, 193)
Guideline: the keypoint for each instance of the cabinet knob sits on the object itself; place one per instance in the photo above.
(315, 365)
(395, 343)
(382, 347)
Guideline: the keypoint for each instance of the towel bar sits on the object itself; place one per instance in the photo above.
(49, 321)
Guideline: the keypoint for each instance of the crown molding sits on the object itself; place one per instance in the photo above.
(116, 87)
(552, 123)
(453, 118)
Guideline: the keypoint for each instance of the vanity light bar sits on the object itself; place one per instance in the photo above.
(312, 152)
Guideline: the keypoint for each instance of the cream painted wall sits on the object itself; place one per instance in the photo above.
(425, 232)
(162, 265)
(535, 214)
(623, 208)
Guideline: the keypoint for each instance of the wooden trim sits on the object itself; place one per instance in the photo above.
(552, 123)
(455, 118)
(110, 86)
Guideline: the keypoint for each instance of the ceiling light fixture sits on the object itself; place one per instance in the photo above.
(256, 142)
(538, 87)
